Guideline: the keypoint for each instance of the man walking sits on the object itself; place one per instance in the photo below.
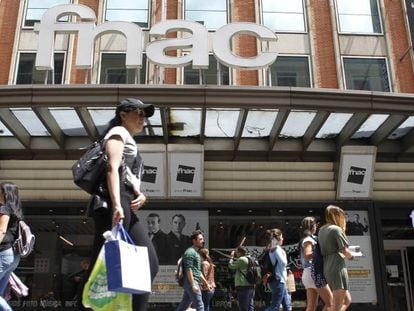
(192, 267)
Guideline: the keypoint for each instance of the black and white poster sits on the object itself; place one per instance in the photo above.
(356, 173)
(185, 174)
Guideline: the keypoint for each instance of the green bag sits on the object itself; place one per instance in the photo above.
(96, 295)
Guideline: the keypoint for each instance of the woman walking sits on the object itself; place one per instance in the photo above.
(123, 183)
(313, 289)
(10, 214)
(334, 247)
(207, 268)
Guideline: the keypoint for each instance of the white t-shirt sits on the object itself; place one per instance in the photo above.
(130, 154)
(306, 263)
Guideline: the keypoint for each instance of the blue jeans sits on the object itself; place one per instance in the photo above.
(190, 297)
(245, 297)
(279, 296)
(8, 263)
(207, 295)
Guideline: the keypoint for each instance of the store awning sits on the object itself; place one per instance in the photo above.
(233, 123)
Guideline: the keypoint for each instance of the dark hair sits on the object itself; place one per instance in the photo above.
(204, 253)
(154, 215)
(241, 250)
(116, 121)
(307, 226)
(195, 235)
(179, 216)
(11, 198)
(273, 233)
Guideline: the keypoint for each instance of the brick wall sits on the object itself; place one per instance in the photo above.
(9, 10)
(245, 45)
(397, 34)
(320, 25)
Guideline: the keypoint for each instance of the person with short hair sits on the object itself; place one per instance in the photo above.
(244, 289)
(10, 214)
(177, 241)
(193, 277)
(158, 237)
(334, 247)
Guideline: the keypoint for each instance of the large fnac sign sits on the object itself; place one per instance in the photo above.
(88, 32)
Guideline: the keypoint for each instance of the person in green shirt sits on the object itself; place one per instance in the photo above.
(193, 276)
(245, 290)
(334, 248)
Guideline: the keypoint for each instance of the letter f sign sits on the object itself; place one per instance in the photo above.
(87, 33)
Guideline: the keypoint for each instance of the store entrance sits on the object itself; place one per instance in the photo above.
(399, 260)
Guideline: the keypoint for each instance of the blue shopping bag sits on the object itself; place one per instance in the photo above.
(127, 265)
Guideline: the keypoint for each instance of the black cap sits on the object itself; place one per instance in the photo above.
(136, 103)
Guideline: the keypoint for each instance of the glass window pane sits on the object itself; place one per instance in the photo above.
(27, 74)
(403, 129)
(259, 123)
(128, 11)
(366, 74)
(333, 125)
(370, 126)
(185, 122)
(101, 117)
(221, 122)
(211, 5)
(211, 20)
(359, 16)
(68, 121)
(290, 71)
(282, 6)
(30, 121)
(297, 123)
(114, 71)
(127, 5)
(36, 8)
(209, 76)
(284, 21)
(4, 131)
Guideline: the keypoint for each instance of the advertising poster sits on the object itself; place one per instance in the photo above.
(153, 178)
(361, 269)
(355, 180)
(170, 233)
(186, 174)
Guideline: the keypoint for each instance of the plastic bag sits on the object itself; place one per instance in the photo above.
(96, 294)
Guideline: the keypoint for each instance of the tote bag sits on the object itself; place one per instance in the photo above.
(96, 294)
(128, 268)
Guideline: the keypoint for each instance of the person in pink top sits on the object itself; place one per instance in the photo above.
(207, 269)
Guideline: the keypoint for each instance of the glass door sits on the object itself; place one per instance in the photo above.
(399, 259)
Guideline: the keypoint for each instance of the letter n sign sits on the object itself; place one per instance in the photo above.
(356, 171)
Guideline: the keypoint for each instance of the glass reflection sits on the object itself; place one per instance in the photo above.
(403, 129)
(185, 122)
(297, 123)
(30, 121)
(4, 131)
(358, 16)
(221, 122)
(283, 15)
(259, 123)
(68, 121)
(333, 125)
(370, 126)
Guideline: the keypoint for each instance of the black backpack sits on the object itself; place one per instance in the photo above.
(253, 273)
(317, 265)
(266, 265)
(180, 273)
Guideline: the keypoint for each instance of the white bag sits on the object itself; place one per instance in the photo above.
(127, 265)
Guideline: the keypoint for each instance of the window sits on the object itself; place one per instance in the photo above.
(209, 76)
(291, 71)
(212, 14)
(27, 73)
(369, 74)
(113, 70)
(358, 16)
(128, 11)
(36, 8)
(283, 15)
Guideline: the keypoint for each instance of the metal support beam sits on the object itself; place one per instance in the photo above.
(351, 127)
(164, 122)
(87, 122)
(241, 121)
(52, 126)
(314, 128)
(14, 125)
(277, 127)
(203, 125)
(386, 128)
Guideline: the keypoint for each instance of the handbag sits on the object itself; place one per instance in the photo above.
(96, 295)
(128, 268)
(97, 205)
(290, 283)
(89, 170)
